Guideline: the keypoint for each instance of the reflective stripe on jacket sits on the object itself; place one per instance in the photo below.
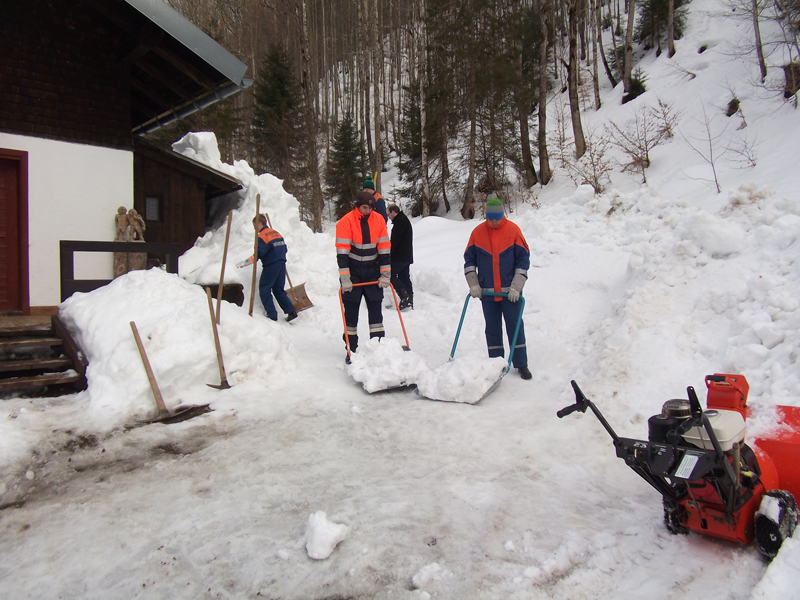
(363, 250)
(497, 255)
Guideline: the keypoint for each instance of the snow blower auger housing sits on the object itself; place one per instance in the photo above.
(711, 481)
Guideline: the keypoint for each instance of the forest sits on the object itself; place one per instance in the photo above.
(458, 91)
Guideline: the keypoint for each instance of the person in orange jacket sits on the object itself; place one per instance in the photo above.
(363, 254)
(497, 259)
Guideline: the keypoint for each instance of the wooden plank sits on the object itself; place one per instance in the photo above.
(20, 384)
(20, 343)
(70, 347)
(30, 364)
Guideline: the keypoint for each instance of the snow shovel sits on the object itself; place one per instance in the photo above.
(513, 340)
(300, 299)
(402, 325)
(223, 385)
(182, 413)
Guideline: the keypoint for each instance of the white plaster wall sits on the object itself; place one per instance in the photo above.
(74, 191)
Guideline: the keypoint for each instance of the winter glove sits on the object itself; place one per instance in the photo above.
(515, 290)
(474, 286)
(244, 263)
(347, 285)
(384, 280)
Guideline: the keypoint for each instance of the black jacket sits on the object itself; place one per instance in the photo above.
(402, 240)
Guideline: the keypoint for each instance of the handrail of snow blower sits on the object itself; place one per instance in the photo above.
(581, 404)
(396, 303)
(516, 329)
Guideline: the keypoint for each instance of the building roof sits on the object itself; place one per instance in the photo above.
(175, 68)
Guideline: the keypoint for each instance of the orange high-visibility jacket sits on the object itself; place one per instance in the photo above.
(363, 249)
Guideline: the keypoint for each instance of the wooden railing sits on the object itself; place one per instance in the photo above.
(67, 248)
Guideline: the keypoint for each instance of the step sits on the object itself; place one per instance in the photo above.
(26, 384)
(31, 364)
(10, 326)
(12, 345)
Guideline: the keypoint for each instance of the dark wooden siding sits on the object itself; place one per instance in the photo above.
(183, 202)
(61, 75)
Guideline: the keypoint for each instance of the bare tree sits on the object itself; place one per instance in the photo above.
(706, 147)
(636, 141)
(593, 167)
(572, 78)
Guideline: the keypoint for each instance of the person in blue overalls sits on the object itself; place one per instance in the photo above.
(272, 254)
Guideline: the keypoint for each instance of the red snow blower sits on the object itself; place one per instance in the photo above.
(710, 480)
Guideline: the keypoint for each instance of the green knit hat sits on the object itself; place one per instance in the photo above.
(368, 183)
(494, 209)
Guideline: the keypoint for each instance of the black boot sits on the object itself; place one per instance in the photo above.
(524, 373)
(291, 316)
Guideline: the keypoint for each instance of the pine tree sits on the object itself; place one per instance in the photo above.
(652, 25)
(278, 116)
(345, 165)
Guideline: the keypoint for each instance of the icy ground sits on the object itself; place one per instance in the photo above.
(301, 485)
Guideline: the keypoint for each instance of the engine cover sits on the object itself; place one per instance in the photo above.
(728, 426)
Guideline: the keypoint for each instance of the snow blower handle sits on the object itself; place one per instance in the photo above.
(581, 402)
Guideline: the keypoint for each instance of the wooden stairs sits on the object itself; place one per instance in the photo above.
(38, 357)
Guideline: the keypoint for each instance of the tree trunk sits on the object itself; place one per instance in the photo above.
(572, 79)
(544, 159)
(422, 52)
(468, 210)
(671, 29)
(376, 93)
(759, 47)
(599, 27)
(317, 203)
(593, 8)
(628, 64)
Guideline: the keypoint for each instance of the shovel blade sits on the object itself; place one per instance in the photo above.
(299, 298)
(224, 385)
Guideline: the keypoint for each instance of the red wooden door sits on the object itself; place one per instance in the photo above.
(9, 236)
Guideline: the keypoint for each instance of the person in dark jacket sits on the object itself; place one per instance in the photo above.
(272, 254)
(497, 259)
(380, 203)
(402, 255)
(363, 253)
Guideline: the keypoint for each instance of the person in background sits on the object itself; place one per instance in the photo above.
(363, 253)
(272, 254)
(402, 255)
(497, 259)
(380, 203)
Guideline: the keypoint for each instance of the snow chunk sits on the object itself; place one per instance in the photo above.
(428, 573)
(322, 535)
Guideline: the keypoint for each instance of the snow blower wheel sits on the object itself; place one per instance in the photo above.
(776, 520)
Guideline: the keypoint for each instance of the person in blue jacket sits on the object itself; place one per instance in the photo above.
(497, 259)
(272, 254)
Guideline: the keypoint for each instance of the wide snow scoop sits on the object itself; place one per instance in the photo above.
(513, 341)
(300, 299)
(182, 413)
(406, 347)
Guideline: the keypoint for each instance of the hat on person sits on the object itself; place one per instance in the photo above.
(494, 209)
(365, 198)
(368, 183)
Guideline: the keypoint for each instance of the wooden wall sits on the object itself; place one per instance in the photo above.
(60, 75)
(183, 202)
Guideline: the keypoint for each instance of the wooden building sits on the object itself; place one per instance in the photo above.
(80, 82)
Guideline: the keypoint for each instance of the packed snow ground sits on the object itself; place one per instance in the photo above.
(301, 485)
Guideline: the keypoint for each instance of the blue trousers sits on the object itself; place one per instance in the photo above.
(273, 278)
(494, 313)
